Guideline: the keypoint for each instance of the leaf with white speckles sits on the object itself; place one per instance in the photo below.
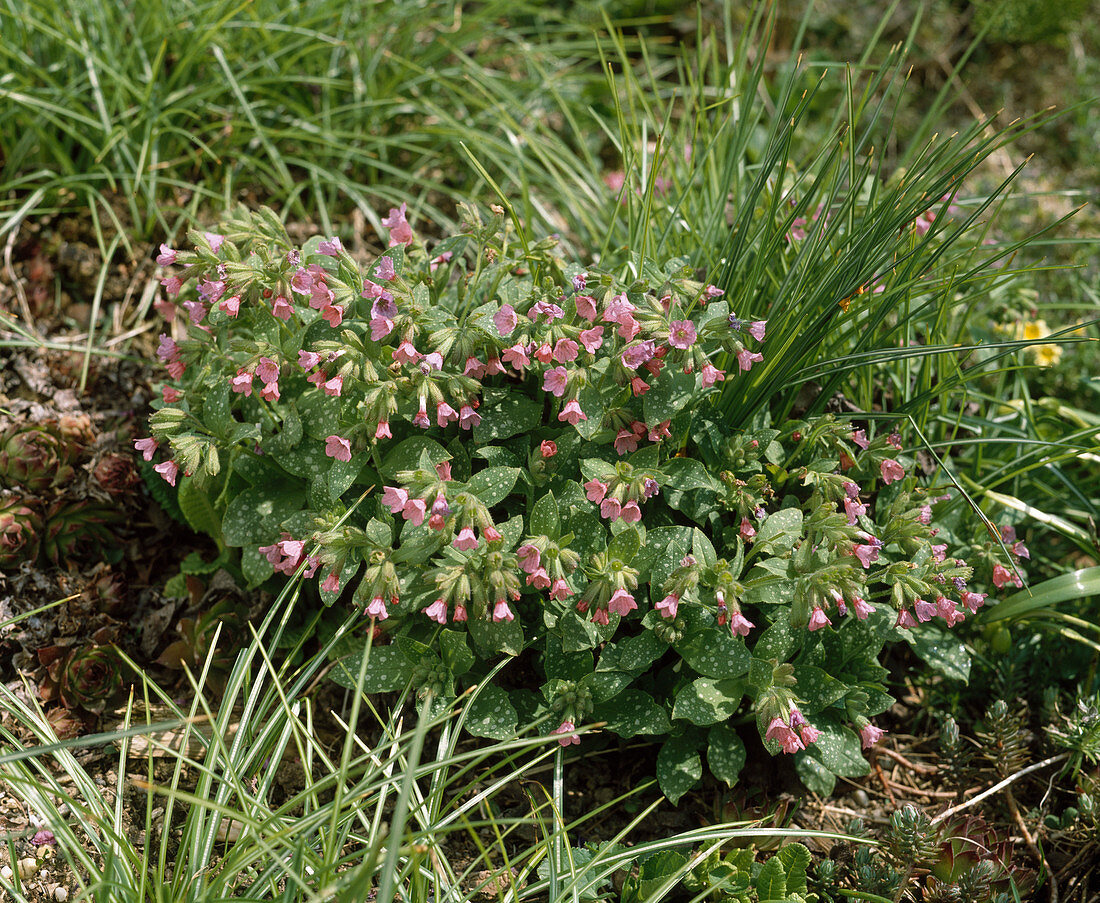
(490, 714)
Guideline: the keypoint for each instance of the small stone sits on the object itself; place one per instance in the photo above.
(60, 894)
(6, 872)
(860, 797)
(27, 867)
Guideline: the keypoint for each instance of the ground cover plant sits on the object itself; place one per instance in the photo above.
(739, 456)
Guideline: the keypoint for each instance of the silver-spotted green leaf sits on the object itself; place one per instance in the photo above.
(306, 460)
(664, 549)
(346, 575)
(506, 413)
(318, 413)
(778, 641)
(715, 653)
(679, 766)
(942, 650)
(379, 532)
(510, 532)
(625, 545)
(708, 701)
(632, 654)
(418, 544)
(255, 567)
(406, 455)
(668, 394)
(198, 509)
(633, 712)
(726, 754)
(594, 403)
(493, 637)
(577, 632)
(457, 656)
(561, 665)
(780, 531)
(387, 670)
(493, 484)
(836, 752)
(703, 549)
(216, 413)
(686, 474)
(491, 714)
(254, 516)
(290, 433)
(817, 688)
(340, 477)
(606, 685)
(545, 518)
(259, 470)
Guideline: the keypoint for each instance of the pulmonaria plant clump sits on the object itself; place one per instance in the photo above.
(491, 451)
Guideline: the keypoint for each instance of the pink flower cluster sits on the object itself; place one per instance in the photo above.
(288, 554)
(793, 734)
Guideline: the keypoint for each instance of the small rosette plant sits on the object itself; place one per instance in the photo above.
(491, 451)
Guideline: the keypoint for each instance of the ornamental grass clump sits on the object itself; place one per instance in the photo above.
(491, 451)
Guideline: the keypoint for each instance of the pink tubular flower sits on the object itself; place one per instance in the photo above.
(560, 590)
(394, 498)
(443, 469)
(891, 471)
(668, 606)
(215, 240)
(414, 511)
(681, 334)
(333, 314)
(621, 602)
(267, 370)
(854, 509)
(586, 307)
(529, 558)
(474, 368)
(905, 620)
(516, 355)
(172, 285)
(330, 247)
(167, 350)
(377, 609)
(555, 381)
(592, 339)
(925, 611)
(806, 731)
(242, 383)
(866, 553)
(148, 447)
(631, 513)
(543, 353)
(167, 256)
(170, 395)
(302, 281)
(747, 531)
(818, 618)
(331, 583)
(338, 448)
(385, 270)
(548, 448)
(739, 624)
(445, 414)
(382, 431)
(1001, 576)
(380, 327)
(659, 432)
(421, 418)
(437, 611)
(539, 578)
(861, 607)
(175, 369)
(168, 471)
(650, 487)
(625, 441)
(870, 735)
(711, 375)
(572, 413)
(281, 309)
(334, 386)
(712, 291)
(636, 355)
(781, 733)
(211, 290)
(491, 534)
(400, 231)
(746, 358)
(565, 350)
(307, 360)
(595, 490)
(501, 611)
(566, 730)
(973, 601)
(231, 306)
(465, 539)
(859, 437)
(405, 353)
(610, 508)
(468, 418)
(505, 320)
